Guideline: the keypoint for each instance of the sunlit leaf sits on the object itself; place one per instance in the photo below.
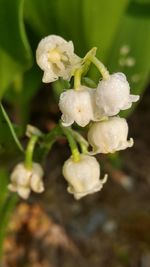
(101, 19)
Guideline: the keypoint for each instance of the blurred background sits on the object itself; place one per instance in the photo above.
(110, 228)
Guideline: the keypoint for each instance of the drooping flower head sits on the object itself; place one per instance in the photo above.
(113, 95)
(56, 57)
(24, 180)
(109, 136)
(77, 106)
(83, 176)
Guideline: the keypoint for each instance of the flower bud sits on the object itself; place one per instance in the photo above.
(109, 136)
(56, 57)
(113, 95)
(23, 180)
(77, 106)
(83, 176)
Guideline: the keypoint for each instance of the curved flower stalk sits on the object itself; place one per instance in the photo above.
(56, 57)
(83, 176)
(109, 136)
(113, 95)
(23, 180)
(77, 106)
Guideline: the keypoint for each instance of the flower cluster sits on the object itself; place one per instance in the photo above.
(96, 107)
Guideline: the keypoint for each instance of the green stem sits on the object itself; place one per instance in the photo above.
(77, 79)
(102, 69)
(30, 150)
(81, 140)
(47, 142)
(83, 68)
(72, 143)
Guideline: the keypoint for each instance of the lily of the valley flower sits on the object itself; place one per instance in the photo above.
(24, 180)
(77, 106)
(56, 57)
(109, 136)
(83, 176)
(113, 95)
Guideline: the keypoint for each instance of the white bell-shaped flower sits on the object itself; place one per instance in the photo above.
(109, 136)
(56, 57)
(77, 106)
(24, 180)
(113, 95)
(83, 176)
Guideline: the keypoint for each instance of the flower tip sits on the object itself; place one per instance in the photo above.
(130, 142)
(23, 192)
(105, 178)
(134, 98)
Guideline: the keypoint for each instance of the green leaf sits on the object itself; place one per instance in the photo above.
(142, 2)
(13, 37)
(101, 19)
(9, 141)
(133, 34)
(15, 52)
(3, 186)
(22, 90)
(41, 16)
(62, 17)
(5, 214)
(8, 69)
(7, 204)
(70, 23)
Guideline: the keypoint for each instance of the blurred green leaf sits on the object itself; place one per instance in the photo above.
(62, 17)
(9, 141)
(134, 34)
(101, 19)
(70, 23)
(13, 37)
(143, 2)
(5, 214)
(3, 186)
(8, 69)
(41, 16)
(15, 52)
(22, 90)
(7, 203)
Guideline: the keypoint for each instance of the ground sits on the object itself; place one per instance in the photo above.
(106, 229)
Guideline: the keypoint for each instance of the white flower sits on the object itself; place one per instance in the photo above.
(113, 95)
(77, 106)
(56, 57)
(23, 180)
(109, 136)
(83, 176)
